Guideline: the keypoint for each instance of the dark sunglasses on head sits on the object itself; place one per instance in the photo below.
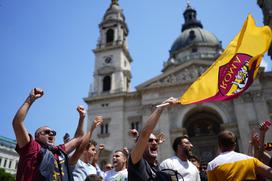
(49, 132)
(152, 139)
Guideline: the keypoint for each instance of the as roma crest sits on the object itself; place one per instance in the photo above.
(235, 76)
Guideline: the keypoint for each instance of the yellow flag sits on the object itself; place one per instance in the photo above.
(234, 71)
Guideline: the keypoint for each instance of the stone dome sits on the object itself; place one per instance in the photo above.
(114, 12)
(193, 35)
(193, 42)
(114, 8)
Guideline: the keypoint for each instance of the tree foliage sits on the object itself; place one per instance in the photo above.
(6, 176)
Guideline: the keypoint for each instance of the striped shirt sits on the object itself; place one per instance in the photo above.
(232, 166)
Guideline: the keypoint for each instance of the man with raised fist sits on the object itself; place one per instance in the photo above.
(40, 159)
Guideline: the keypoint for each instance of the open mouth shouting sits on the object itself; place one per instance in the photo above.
(51, 140)
(153, 150)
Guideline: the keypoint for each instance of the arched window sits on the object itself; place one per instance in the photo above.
(106, 83)
(205, 125)
(135, 125)
(110, 36)
(202, 127)
(192, 35)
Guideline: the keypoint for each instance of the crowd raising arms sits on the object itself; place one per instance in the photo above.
(41, 159)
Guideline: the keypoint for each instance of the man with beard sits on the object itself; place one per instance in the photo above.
(119, 171)
(142, 163)
(180, 162)
(40, 159)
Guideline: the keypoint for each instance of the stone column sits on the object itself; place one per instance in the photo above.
(245, 113)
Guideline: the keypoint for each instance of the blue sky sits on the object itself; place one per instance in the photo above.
(49, 44)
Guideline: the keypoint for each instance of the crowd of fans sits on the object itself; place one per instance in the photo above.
(77, 158)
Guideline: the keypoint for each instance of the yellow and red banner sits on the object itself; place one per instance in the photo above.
(234, 71)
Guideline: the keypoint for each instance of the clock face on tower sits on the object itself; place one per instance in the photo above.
(108, 60)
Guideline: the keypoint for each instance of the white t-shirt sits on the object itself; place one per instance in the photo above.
(81, 170)
(112, 175)
(188, 170)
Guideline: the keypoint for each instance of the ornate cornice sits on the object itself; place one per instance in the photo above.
(185, 76)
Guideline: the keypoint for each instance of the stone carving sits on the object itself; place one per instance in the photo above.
(170, 79)
(186, 75)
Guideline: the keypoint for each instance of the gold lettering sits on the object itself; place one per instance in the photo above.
(231, 68)
(223, 85)
(227, 77)
(238, 60)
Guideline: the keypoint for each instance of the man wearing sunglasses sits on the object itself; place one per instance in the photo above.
(142, 163)
(40, 159)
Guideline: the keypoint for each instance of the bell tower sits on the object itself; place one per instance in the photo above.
(112, 73)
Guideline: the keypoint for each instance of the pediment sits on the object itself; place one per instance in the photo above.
(182, 74)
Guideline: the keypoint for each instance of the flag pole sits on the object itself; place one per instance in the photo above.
(163, 104)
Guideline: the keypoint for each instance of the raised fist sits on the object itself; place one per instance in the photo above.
(35, 94)
(125, 149)
(133, 133)
(81, 111)
(97, 121)
(255, 139)
(101, 147)
(161, 137)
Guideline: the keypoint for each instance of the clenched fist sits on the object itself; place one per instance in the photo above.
(81, 111)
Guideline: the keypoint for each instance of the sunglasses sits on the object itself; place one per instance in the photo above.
(49, 132)
(153, 139)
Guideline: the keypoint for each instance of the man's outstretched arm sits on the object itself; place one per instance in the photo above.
(85, 140)
(74, 142)
(79, 131)
(264, 170)
(139, 148)
(19, 128)
(97, 155)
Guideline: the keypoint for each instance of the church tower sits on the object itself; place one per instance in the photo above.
(112, 72)
(111, 83)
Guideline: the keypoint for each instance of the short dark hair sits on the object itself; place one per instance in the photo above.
(177, 141)
(226, 140)
(123, 152)
(66, 136)
(38, 130)
(93, 177)
(91, 142)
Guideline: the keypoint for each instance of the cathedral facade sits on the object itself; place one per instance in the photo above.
(194, 50)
